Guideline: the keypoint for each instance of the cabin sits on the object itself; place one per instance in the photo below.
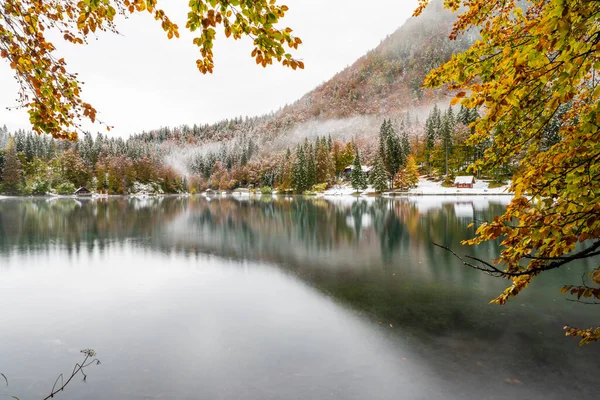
(348, 171)
(464, 182)
(83, 191)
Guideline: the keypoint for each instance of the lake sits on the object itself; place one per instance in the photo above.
(276, 298)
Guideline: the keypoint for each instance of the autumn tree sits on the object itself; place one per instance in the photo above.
(284, 180)
(533, 59)
(72, 168)
(342, 156)
(412, 172)
(325, 169)
(11, 171)
(52, 94)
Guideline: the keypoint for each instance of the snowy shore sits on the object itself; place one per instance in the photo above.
(426, 188)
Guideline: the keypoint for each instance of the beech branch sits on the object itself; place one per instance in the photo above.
(492, 270)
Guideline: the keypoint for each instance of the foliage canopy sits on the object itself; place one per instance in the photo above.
(534, 60)
(52, 94)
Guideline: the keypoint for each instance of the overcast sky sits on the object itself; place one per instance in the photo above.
(140, 80)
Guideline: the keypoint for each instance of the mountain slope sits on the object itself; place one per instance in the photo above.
(388, 79)
(384, 83)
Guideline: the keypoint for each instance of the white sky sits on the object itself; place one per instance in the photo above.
(140, 80)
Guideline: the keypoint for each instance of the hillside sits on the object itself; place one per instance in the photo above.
(386, 82)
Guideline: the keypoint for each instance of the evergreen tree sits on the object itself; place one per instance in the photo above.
(430, 142)
(405, 145)
(358, 179)
(311, 166)
(379, 177)
(299, 182)
(447, 130)
(2, 155)
(12, 171)
(393, 157)
(383, 134)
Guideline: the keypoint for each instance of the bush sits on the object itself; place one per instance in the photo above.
(319, 187)
(40, 187)
(65, 188)
(25, 190)
(266, 190)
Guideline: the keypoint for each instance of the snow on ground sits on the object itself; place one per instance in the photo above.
(426, 187)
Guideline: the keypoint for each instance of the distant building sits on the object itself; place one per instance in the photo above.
(82, 191)
(464, 182)
(348, 171)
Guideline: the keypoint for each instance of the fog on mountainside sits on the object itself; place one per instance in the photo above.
(384, 83)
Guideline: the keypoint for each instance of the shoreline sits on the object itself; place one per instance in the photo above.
(233, 194)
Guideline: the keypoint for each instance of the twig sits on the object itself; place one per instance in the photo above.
(90, 358)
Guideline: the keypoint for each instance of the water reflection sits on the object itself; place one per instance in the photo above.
(254, 227)
(359, 288)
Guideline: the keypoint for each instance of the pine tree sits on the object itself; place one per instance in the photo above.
(393, 157)
(12, 171)
(311, 166)
(379, 177)
(359, 182)
(299, 182)
(405, 145)
(430, 141)
(383, 134)
(447, 129)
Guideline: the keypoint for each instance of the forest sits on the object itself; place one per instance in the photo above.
(404, 149)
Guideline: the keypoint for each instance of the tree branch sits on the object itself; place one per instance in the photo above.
(492, 270)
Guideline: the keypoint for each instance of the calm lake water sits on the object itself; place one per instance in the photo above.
(190, 298)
